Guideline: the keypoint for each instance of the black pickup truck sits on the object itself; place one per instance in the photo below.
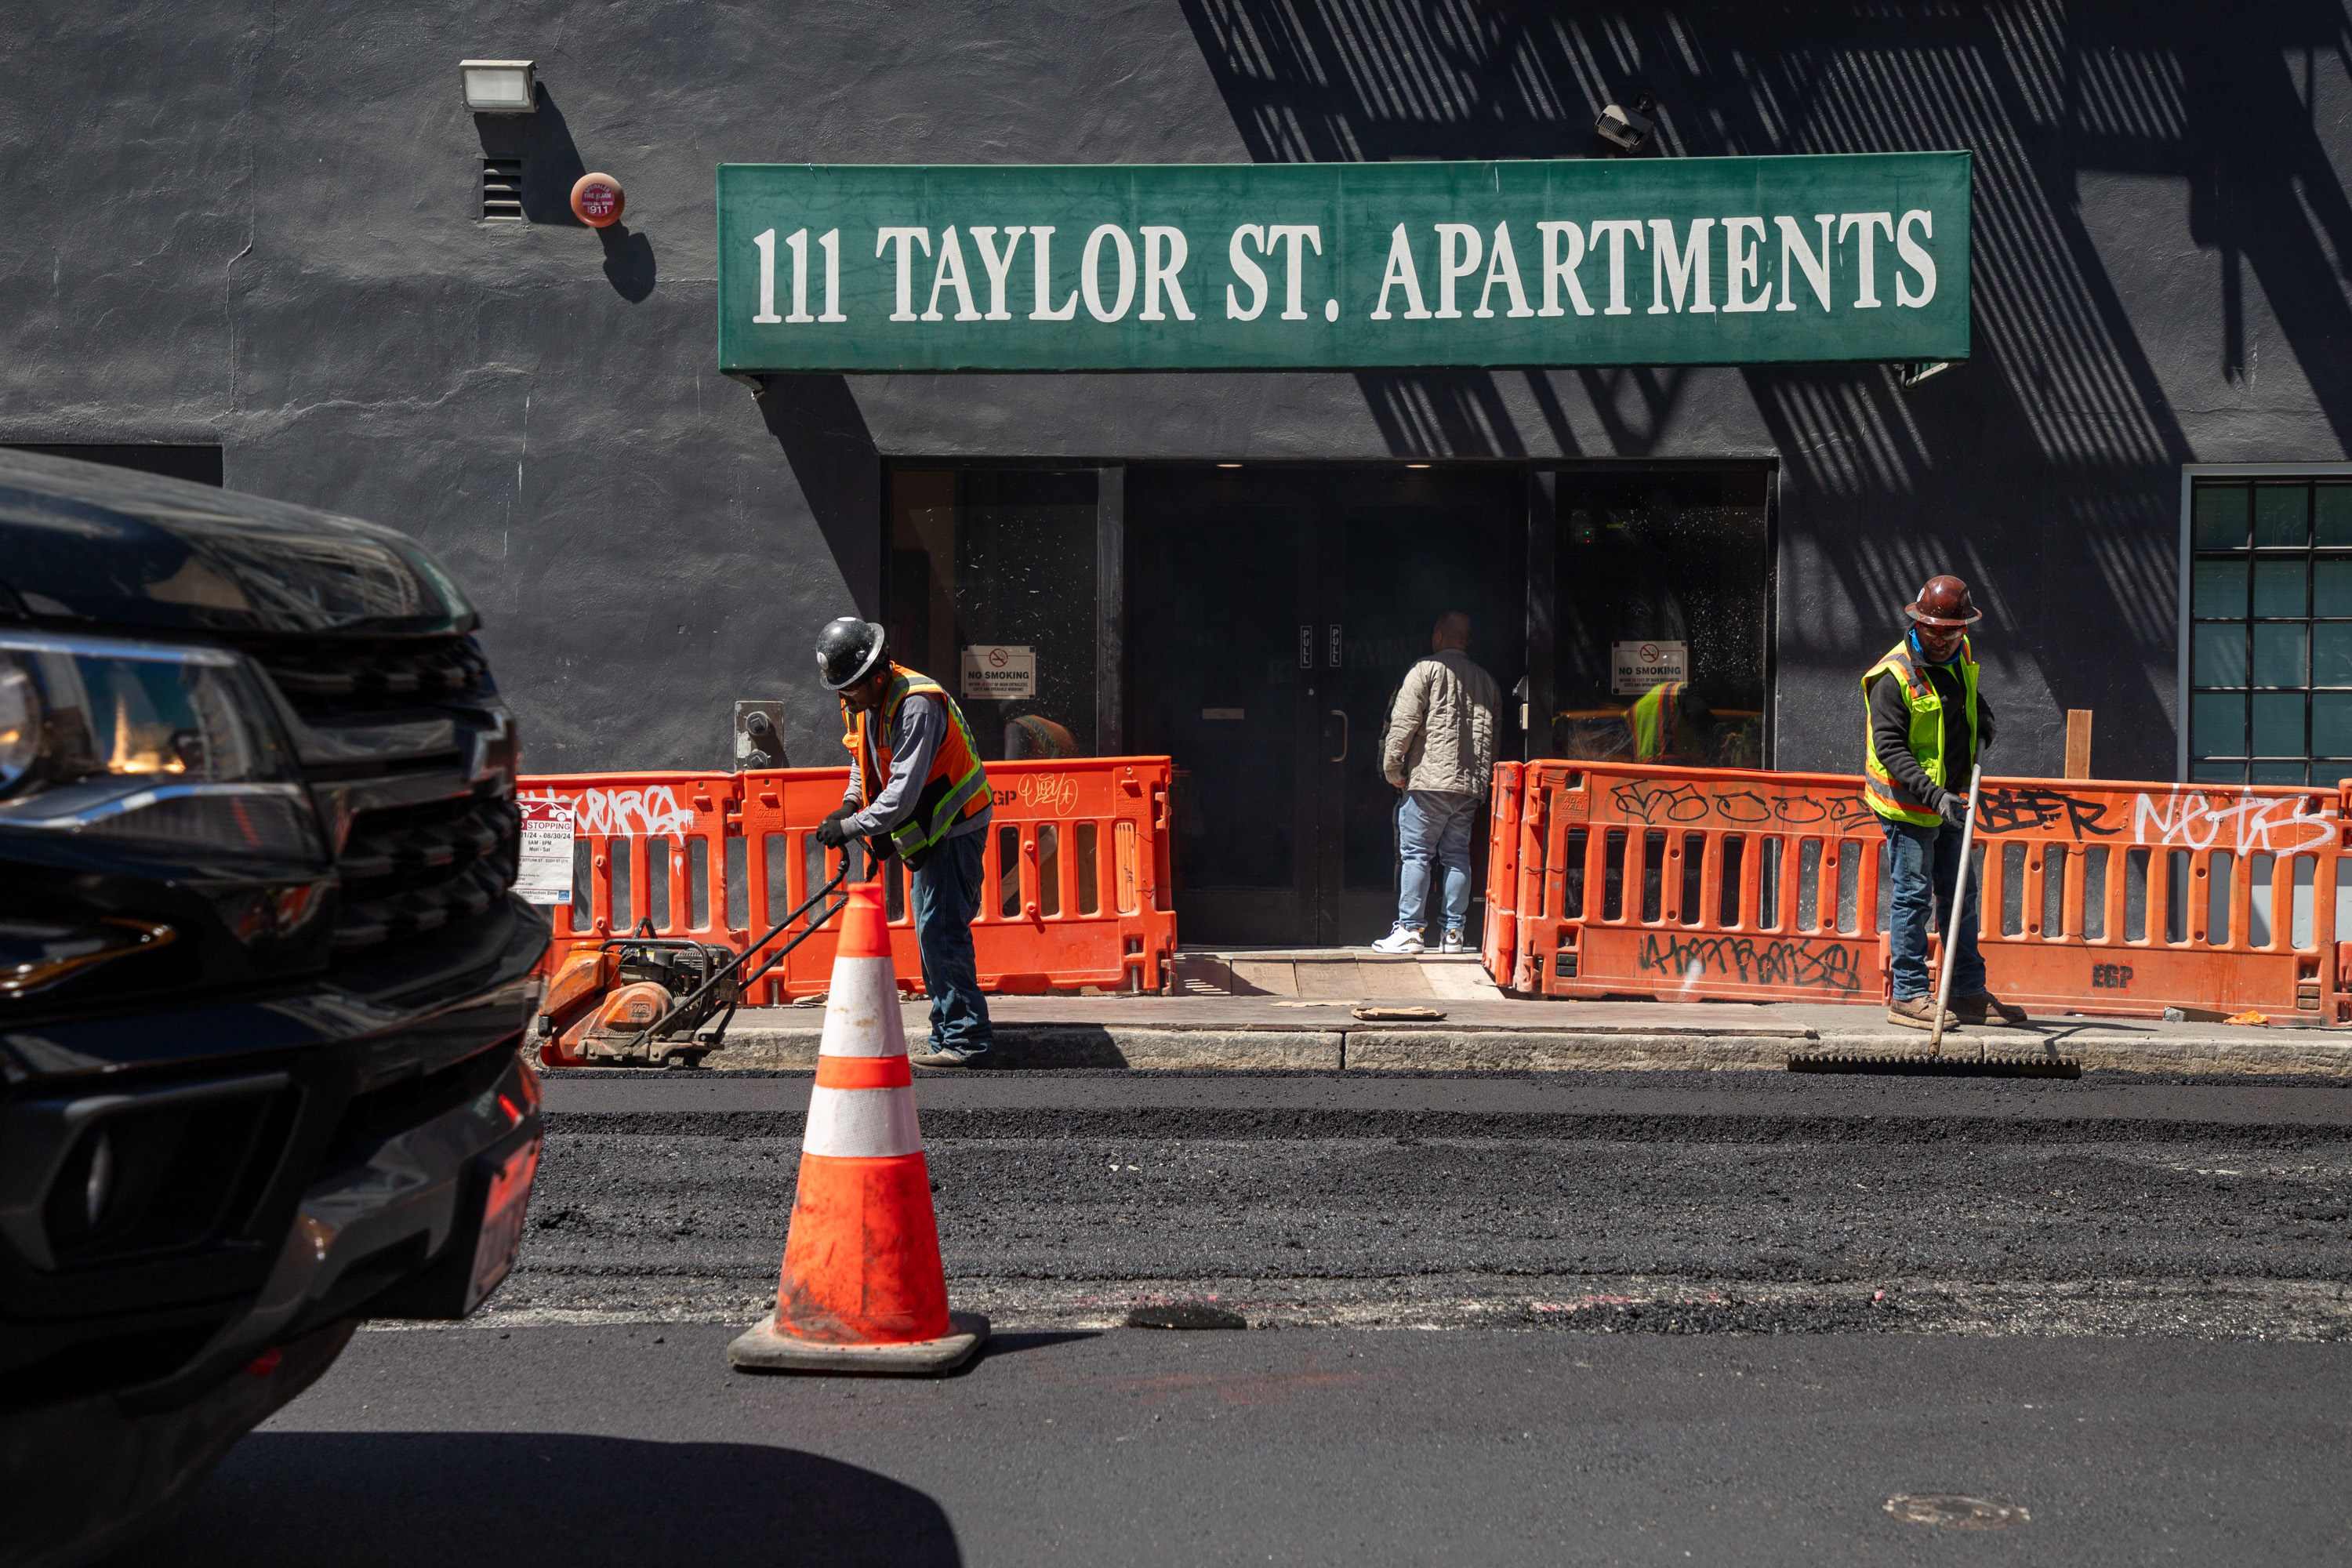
(262, 976)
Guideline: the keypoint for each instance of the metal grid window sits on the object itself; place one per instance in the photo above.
(2270, 655)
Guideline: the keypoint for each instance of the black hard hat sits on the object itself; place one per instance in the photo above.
(847, 650)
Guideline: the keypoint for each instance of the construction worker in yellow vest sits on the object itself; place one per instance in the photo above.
(1928, 724)
(1669, 725)
(916, 784)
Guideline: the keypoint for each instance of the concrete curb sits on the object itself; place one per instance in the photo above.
(1441, 1050)
(1517, 1050)
(1078, 1046)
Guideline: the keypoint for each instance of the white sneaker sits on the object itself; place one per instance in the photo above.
(1405, 938)
(1452, 942)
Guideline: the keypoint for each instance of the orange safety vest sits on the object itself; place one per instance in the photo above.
(957, 786)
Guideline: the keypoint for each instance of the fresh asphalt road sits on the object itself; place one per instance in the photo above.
(1664, 1317)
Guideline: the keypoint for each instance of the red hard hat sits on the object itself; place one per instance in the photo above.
(1944, 604)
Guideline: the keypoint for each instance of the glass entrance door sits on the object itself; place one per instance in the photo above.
(1274, 613)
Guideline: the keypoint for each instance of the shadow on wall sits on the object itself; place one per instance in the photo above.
(2059, 420)
(816, 421)
(551, 165)
(546, 1498)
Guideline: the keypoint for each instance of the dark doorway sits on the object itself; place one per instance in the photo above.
(1676, 559)
(1274, 611)
(1002, 564)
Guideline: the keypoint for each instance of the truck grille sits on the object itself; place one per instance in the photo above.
(418, 868)
(412, 870)
(325, 681)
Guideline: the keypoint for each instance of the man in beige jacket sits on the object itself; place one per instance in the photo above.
(1440, 752)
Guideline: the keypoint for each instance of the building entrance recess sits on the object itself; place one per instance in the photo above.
(1276, 610)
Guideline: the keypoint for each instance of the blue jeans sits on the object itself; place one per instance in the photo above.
(1916, 854)
(1434, 826)
(947, 896)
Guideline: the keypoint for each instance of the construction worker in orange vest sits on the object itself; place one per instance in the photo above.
(1667, 722)
(916, 784)
(1927, 723)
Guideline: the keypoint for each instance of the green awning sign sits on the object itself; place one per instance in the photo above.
(879, 267)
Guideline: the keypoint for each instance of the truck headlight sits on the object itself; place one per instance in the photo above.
(20, 721)
(149, 740)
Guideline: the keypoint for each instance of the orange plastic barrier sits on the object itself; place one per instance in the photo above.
(1687, 883)
(1076, 889)
(1499, 942)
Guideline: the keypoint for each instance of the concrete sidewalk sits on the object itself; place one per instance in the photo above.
(1498, 1034)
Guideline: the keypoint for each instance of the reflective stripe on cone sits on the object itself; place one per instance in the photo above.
(861, 1010)
(861, 1124)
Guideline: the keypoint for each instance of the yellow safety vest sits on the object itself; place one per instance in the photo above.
(1659, 732)
(1887, 797)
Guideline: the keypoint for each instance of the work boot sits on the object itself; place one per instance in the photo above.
(1405, 938)
(1984, 1007)
(1915, 1012)
(951, 1056)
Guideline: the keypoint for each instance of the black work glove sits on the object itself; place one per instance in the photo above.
(1954, 809)
(829, 831)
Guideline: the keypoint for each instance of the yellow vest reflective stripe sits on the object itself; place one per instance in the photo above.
(1887, 797)
(1656, 722)
(957, 786)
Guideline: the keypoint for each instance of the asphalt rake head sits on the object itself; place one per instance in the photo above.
(1919, 1063)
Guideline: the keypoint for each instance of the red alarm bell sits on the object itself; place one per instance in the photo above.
(596, 200)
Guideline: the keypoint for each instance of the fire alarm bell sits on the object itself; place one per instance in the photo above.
(596, 200)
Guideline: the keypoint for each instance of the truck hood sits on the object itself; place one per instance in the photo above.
(81, 542)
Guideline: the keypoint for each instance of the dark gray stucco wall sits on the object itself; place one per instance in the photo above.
(256, 224)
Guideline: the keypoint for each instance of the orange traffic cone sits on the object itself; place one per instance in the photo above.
(862, 1288)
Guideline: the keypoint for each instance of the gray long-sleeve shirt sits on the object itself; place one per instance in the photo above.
(1890, 731)
(915, 737)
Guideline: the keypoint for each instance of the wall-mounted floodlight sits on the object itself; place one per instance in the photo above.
(498, 87)
(1627, 129)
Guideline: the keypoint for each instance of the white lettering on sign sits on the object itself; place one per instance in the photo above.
(1681, 268)
(1000, 672)
(1639, 665)
(544, 875)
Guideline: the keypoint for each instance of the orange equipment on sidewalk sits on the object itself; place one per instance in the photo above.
(609, 1003)
(862, 1289)
(1688, 884)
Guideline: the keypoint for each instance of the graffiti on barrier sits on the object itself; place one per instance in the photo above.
(1050, 794)
(1685, 804)
(1648, 802)
(2024, 810)
(1834, 810)
(2180, 819)
(651, 812)
(2270, 825)
(1744, 960)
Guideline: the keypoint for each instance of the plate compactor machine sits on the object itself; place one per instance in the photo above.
(643, 1000)
(639, 1001)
